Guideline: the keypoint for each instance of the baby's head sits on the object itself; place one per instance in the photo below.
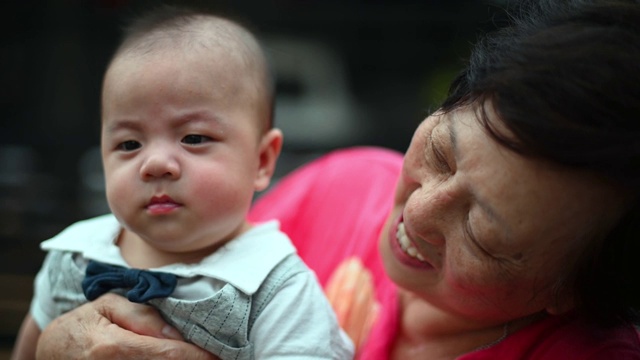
(229, 49)
(187, 137)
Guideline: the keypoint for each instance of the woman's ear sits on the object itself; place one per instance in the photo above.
(561, 304)
(269, 150)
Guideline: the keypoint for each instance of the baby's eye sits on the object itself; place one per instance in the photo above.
(193, 139)
(129, 145)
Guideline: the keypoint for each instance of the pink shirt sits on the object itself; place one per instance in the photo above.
(334, 208)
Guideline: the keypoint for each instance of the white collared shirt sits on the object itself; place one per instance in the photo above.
(244, 263)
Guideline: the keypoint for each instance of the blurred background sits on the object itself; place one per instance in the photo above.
(349, 73)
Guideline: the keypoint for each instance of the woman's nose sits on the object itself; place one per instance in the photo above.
(433, 211)
(160, 165)
(430, 203)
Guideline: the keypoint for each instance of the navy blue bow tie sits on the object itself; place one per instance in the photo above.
(144, 285)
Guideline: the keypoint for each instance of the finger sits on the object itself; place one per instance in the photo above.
(88, 332)
(138, 318)
(371, 310)
(351, 293)
(131, 346)
(345, 290)
(372, 316)
(363, 302)
(332, 288)
(358, 312)
(351, 320)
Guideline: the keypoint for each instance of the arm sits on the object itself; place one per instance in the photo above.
(25, 346)
(298, 323)
(113, 328)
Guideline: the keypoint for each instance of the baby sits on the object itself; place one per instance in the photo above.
(187, 139)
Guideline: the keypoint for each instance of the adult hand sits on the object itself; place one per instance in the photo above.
(351, 292)
(113, 328)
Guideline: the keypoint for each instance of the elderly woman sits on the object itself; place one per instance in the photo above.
(514, 227)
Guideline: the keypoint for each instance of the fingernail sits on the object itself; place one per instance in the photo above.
(171, 333)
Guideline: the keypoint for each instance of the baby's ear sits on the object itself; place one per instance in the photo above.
(270, 146)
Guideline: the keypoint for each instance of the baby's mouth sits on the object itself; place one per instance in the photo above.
(406, 244)
(161, 204)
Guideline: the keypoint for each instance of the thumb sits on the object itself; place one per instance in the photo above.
(122, 345)
(147, 348)
(138, 318)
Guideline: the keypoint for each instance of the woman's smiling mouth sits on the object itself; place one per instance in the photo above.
(404, 249)
(406, 245)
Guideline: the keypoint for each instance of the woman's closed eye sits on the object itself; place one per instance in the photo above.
(472, 238)
(194, 139)
(439, 158)
(506, 261)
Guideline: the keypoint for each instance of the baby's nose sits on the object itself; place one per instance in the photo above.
(160, 165)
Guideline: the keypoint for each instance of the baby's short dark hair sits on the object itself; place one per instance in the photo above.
(178, 27)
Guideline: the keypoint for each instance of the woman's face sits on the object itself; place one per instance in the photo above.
(486, 234)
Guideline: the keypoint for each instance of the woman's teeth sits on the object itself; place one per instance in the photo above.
(406, 244)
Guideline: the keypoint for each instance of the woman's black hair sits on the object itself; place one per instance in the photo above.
(564, 78)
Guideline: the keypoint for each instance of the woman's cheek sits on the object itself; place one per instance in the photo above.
(468, 274)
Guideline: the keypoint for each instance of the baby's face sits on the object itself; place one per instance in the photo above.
(181, 148)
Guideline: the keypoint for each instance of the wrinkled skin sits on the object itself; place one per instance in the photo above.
(105, 328)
